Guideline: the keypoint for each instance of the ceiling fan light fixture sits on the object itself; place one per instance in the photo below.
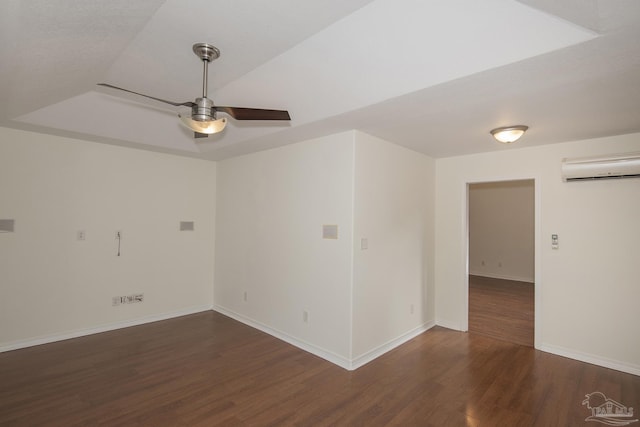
(205, 126)
(509, 134)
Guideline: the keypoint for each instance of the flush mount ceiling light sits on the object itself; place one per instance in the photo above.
(509, 134)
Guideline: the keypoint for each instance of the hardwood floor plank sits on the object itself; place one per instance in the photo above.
(209, 370)
(502, 309)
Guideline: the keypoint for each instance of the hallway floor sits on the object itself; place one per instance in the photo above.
(502, 309)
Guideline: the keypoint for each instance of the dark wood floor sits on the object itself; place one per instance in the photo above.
(502, 309)
(209, 370)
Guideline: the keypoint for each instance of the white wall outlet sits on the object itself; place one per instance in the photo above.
(245, 297)
(555, 243)
(305, 316)
(81, 235)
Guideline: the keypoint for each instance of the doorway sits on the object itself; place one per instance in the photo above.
(501, 260)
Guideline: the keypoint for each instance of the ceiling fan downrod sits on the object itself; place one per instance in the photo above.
(203, 109)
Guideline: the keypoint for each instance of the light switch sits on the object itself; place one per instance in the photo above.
(364, 243)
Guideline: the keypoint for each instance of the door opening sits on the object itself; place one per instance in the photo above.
(501, 260)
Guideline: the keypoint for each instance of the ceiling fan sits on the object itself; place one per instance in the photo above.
(202, 119)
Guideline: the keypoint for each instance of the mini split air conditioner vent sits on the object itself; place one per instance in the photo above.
(603, 167)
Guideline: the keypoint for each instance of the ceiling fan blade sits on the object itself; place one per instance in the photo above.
(254, 113)
(177, 104)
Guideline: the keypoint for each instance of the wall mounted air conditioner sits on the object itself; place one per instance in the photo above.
(603, 167)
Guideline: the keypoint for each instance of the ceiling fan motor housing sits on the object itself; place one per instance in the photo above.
(203, 110)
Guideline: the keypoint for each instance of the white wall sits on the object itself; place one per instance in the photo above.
(393, 291)
(587, 290)
(54, 286)
(271, 209)
(501, 230)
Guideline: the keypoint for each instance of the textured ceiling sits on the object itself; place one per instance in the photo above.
(434, 76)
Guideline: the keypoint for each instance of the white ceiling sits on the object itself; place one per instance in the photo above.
(434, 76)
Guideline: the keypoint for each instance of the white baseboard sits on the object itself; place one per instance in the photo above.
(390, 345)
(502, 276)
(15, 345)
(336, 359)
(449, 324)
(629, 368)
(329, 356)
